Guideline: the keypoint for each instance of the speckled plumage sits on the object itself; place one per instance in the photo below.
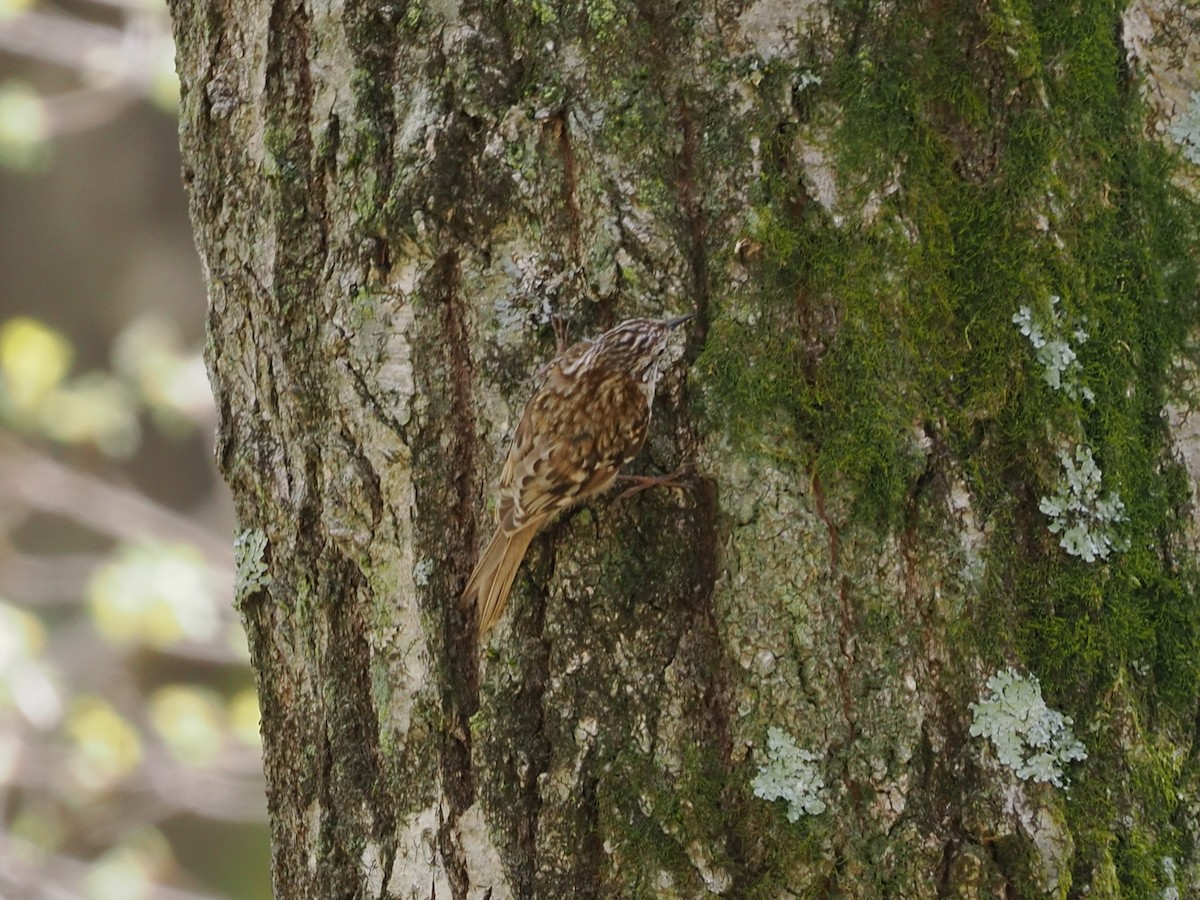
(588, 416)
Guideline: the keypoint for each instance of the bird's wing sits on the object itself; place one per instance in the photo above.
(573, 438)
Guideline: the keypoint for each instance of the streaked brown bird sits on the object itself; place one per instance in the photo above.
(588, 416)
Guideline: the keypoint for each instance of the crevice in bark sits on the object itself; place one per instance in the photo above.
(454, 860)
(831, 528)
(370, 400)
(368, 476)
(351, 779)
(327, 816)
(861, 17)
(993, 850)
(374, 41)
(216, 15)
(459, 664)
(712, 657)
(944, 868)
(846, 632)
(388, 862)
(589, 860)
(695, 220)
(288, 780)
(560, 123)
(300, 215)
(845, 636)
(460, 637)
(531, 741)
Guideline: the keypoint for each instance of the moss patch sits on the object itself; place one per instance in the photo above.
(984, 159)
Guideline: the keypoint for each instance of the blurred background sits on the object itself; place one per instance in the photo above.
(129, 753)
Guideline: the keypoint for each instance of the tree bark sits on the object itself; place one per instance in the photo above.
(858, 201)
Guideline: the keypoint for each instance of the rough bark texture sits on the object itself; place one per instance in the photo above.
(856, 199)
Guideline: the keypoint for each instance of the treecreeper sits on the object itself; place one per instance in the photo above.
(588, 417)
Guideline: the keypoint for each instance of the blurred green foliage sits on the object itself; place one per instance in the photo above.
(128, 718)
(85, 734)
(155, 594)
(39, 397)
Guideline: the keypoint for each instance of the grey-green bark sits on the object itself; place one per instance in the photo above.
(856, 199)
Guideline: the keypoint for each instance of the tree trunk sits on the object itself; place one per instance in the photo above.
(944, 285)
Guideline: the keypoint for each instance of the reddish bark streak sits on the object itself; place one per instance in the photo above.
(846, 630)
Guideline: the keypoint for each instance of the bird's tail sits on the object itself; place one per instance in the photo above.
(494, 573)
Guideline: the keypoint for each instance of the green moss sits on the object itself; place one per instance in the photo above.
(543, 11)
(983, 159)
(633, 812)
(653, 819)
(987, 160)
(605, 17)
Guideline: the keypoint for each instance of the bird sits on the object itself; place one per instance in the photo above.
(587, 417)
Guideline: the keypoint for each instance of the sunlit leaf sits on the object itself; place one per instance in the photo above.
(128, 871)
(10, 8)
(24, 124)
(33, 691)
(10, 754)
(34, 358)
(105, 747)
(154, 7)
(120, 874)
(95, 409)
(191, 722)
(235, 640)
(154, 594)
(244, 717)
(26, 680)
(39, 827)
(172, 383)
(164, 80)
(22, 636)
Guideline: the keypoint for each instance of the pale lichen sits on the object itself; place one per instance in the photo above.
(1171, 889)
(1060, 364)
(789, 774)
(1085, 520)
(250, 566)
(1186, 129)
(1036, 742)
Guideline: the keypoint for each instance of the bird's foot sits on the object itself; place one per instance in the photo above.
(680, 478)
(562, 336)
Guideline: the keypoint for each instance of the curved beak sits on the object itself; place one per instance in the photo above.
(672, 323)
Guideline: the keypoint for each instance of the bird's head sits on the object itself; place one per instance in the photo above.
(636, 345)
